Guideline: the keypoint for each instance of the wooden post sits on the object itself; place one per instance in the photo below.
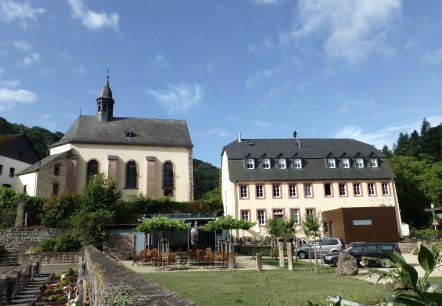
(258, 262)
(289, 256)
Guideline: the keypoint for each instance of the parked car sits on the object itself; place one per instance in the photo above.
(361, 250)
(322, 246)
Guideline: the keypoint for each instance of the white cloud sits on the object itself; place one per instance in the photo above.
(45, 116)
(9, 83)
(264, 124)
(220, 133)
(266, 1)
(160, 63)
(385, 136)
(31, 59)
(350, 31)
(11, 10)
(433, 57)
(256, 77)
(1, 72)
(93, 20)
(64, 56)
(78, 70)
(22, 45)
(178, 98)
(9, 98)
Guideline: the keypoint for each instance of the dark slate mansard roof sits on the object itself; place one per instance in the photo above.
(157, 132)
(313, 153)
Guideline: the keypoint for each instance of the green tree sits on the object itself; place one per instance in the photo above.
(206, 177)
(89, 227)
(58, 210)
(100, 193)
(311, 227)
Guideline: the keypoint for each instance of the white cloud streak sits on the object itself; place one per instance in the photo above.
(22, 45)
(93, 20)
(385, 136)
(31, 59)
(350, 31)
(160, 63)
(178, 98)
(12, 10)
(257, 77)
(9, 98)
(220, 133)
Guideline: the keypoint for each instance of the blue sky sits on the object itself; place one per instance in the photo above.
(366, 70)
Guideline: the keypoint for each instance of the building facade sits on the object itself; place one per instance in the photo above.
(152, 157)
(16, 154)
(292, 178)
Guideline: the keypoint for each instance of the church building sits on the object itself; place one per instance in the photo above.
(152, 157)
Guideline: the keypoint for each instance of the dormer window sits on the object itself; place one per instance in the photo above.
(373, 161)
(129, 133)
(266, 163)
(250, 163)
(297, 163)
(331, 163)
(282, 163)
(359, 162)
(345, 163)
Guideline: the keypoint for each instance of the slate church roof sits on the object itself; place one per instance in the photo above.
(313, 153)
(128, 131)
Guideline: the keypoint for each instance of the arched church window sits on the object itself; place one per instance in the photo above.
(92, 169)
(168, 179)
(131, 174)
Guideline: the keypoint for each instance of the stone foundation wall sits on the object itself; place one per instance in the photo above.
(103, 273)
(20, 240)
(50, 258)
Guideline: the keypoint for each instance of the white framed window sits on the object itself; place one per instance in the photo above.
(265, 163)
(282, 163)
(343, 190)
(261, 216)
(294, 215)
(308, 190)
(357, 191)
(310, 212)
(293, 192)
(297, 163)
(373, 162)
(328, 189)
(250, 163)
(276, 190)
(359, 162)
(260, 191)
(278, 214)
(345, 162)
(385, 189)
(243, 191)
(245, 215)
(371, 189)
(331, 163)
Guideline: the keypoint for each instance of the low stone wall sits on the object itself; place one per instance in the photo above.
(20, 240)
(103, 273)
(49, 258)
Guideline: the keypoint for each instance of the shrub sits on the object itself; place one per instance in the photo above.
(67, 243)
(47, 245)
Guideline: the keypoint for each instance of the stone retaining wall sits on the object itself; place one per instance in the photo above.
(49, 258)
(120, 247)
(20, 240)
(103, 273)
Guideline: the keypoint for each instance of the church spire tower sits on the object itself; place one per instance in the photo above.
(105, 103)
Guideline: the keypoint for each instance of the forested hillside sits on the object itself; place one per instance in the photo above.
(417, 162)
(39, 137)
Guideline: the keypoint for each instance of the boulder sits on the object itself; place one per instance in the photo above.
(347, 265)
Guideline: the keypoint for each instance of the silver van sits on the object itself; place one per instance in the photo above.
(323, 246)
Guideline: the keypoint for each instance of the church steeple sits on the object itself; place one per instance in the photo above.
(105, 103)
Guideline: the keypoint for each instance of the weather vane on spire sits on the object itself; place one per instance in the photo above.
(107, 76)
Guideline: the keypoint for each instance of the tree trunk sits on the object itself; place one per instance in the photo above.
(231, 261)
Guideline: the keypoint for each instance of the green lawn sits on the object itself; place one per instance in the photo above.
(270, 287)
